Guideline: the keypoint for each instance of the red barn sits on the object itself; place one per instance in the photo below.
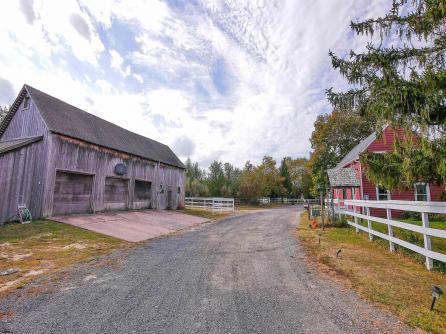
(370, 191)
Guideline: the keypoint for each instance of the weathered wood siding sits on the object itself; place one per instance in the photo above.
(67, 154)
(23, 171)
(22, 177)
(25, 123)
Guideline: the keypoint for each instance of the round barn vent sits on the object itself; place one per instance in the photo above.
(120, 169)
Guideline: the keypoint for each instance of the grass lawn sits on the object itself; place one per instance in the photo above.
(45, 246)
(438, 244)
(398, 282)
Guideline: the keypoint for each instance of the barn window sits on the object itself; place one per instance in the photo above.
(382, 194)
(421, 192)
(179, 190)
(26, 102)
(344, 193)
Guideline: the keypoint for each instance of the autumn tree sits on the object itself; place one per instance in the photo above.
(261, 181)
(400, 80)
(300, 175)
(333, 137)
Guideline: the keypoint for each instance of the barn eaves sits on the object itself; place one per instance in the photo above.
(9, 145)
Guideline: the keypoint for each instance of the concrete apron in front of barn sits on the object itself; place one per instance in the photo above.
(133, 226)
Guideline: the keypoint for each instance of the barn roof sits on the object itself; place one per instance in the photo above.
(356, 151)
(9, 145)
(65, 119)
(343, 177)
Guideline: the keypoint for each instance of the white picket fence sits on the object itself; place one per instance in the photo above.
(264, 200)
(359, 209)
(214, 204)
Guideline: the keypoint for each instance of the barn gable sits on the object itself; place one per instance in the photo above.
(23, 119)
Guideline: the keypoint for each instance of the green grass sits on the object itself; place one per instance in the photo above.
(397, 281)
(44, 246)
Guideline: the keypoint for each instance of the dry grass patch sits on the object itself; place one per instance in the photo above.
(206, 213)
(45, 246)
(394, 280)
(250, 207)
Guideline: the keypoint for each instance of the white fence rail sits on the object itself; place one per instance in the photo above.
(214, 204)
(359, 209)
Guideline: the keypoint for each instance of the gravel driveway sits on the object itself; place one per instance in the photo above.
(245, 274)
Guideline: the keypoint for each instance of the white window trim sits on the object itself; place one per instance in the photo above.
(377, 195)
(428, 191)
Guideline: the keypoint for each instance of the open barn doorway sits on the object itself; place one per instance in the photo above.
(142, 197)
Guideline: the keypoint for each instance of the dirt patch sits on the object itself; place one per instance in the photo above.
(75, 246)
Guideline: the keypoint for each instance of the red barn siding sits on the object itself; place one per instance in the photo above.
(368, 189)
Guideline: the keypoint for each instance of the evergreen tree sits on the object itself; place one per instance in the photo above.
(285, 174)
(401, 81)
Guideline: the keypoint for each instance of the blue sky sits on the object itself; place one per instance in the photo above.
(227, 80)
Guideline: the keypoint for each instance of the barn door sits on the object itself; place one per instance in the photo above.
(116, 193)
(72, 193)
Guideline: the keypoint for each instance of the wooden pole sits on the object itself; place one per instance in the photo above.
(322, 210)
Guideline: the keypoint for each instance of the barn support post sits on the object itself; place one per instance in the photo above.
(427, 240)
(332, 206)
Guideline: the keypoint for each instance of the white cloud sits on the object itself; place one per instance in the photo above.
(237, 79)
(55, 27)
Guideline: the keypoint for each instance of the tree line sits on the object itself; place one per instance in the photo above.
(289, 179)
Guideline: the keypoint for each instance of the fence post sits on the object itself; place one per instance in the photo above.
(427, 240)
(339, 209)
(356, 219)
(369, 223)
(390, 230)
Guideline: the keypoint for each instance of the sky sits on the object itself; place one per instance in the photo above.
(215, 80)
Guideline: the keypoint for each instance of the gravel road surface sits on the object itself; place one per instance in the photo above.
(245, 274)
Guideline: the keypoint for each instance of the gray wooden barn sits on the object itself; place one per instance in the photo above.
(57, 159)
